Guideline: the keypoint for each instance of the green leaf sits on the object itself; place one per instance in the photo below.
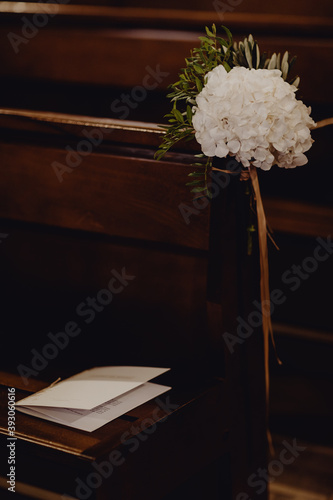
(285, 58)
(272, 62)
(295, 81)
(257, 56)
(198, 84)
(198, 69)
(292, 62)
(189, 114)
(159, 154)
(209, 33)
(193, 183)
(228, 32)
(178, 115)
(226, 66)
(222, 42)
(248, 54)
(284, 69)
(278, 61)
(202, 39)
(198, 189)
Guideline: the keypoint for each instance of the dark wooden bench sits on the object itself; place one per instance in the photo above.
(132, 52)
(106, 49)
(185, 280)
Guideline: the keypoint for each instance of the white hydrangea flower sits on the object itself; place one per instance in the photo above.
(253, 115)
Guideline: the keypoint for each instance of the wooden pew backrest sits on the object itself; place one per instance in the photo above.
(117, 213)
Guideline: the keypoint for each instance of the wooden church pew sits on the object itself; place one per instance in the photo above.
(122, 41)
(119, 210)
(133, 52)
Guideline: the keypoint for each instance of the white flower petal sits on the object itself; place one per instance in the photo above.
(234, 146)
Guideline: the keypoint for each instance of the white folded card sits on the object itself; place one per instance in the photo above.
(94, 397)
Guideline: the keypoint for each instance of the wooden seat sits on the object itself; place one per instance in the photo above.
(141, 455)
(183, 278)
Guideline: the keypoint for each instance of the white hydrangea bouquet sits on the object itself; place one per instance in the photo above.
(238, 102)
(253, 115)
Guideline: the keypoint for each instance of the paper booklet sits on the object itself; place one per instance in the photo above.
(94, 397)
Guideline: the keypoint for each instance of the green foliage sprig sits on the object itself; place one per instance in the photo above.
(213, 51)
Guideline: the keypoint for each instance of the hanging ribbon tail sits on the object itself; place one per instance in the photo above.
(264, 286)
(323, 123)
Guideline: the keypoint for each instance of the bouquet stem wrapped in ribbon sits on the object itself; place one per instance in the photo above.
(236, 102)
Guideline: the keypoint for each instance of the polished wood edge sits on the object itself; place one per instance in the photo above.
(299, 218)
(33, 491)
(84, 121)
(186, 400)
(48, 444)
(15, 380)
(135, 15)
(143, 134)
